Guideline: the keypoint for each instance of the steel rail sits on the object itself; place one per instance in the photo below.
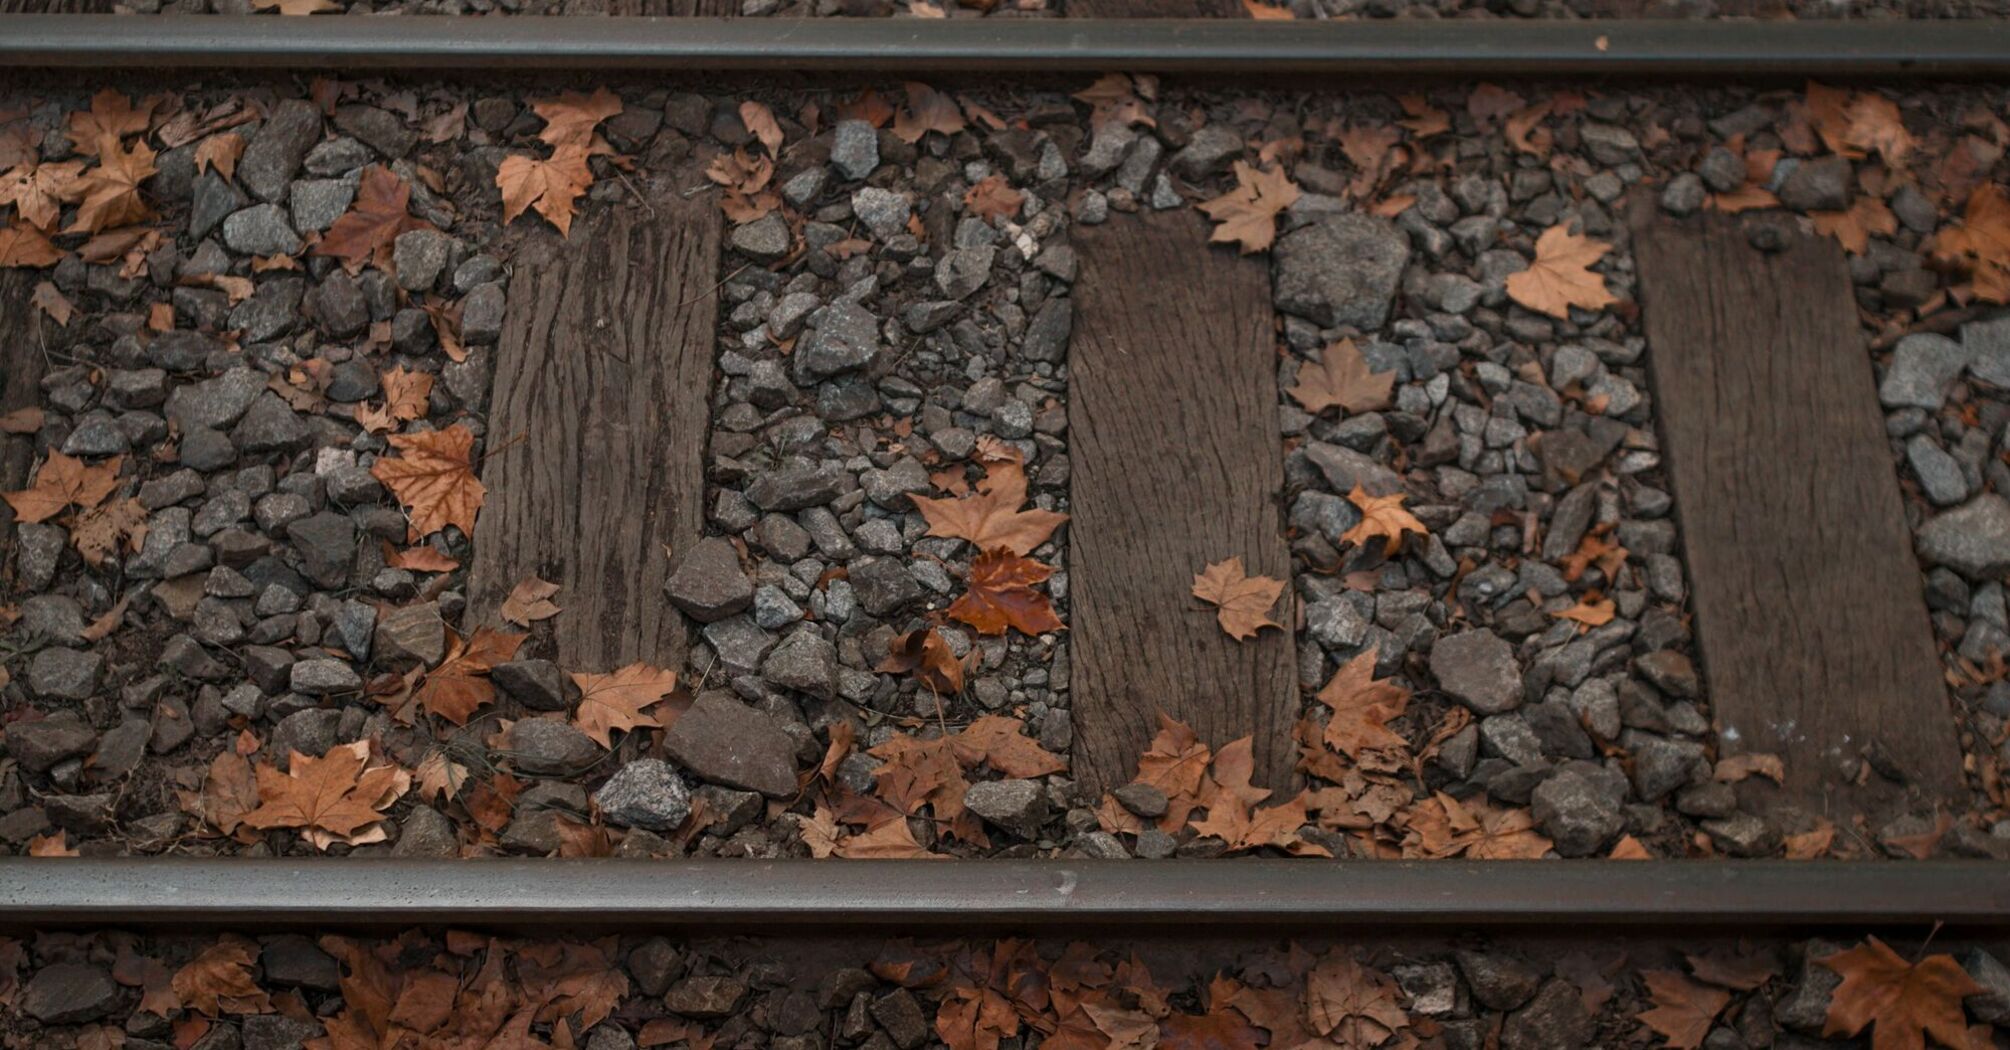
(1245, 48)
(1186, 898)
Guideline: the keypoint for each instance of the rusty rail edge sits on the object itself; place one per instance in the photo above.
(1351, 49)
(1186, 898)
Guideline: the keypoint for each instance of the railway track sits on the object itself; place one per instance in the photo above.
(1444, 952)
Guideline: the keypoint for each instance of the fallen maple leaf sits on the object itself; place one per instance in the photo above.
(1980, 246)
(1559, 277)
(926, 654)
(888, 840)
(760, 120)
(927, 110)
(1242, 601)
(98, 533)
(1592, 610)
(54, 844)
(64, 482)
(1362, 706)
(38, 191)
(111, 117)
(551, 185)
(406, 393)
(434, 479)
(530, 601)
(219, 980)
(1906, 1001)
(1247, 214)
(1876, 126)
(368, 230)
(1853, 228)
(1115, 97)
(333, 798)
(1683, 1010)
(24, 245)
(993, 199)
(109, 194)
(1000, 594)
(220, 152)
(1342, 379)
(1351, 1004)
(1382, 516)
(1221, 1028)
(571, 118)
(297, 7)
(460, 684)
(991, 519)
(1001, 743)
(615, 701)
(1738, 970)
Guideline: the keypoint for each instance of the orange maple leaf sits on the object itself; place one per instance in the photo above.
(333, 798)
(926, 654)
(112, 117)
(993, 199)
(1001, 743)
(1560, 277)
(461, 684)
(434, 479)
(530, 601)
(38, 191)
(1876, 126)
(1683, 1010)
(1221, 1028)
(406, 393)
(1906, 1001)
(1853, 228)
(220, 152)
(1351, 1004)
(551, 185)
(109, 194)
(571, 118)
(1382, 516)
(1242, 602)
(219, 980)
(1980, 246)
(887, 840)
(24, 245)
(991, 519)
(367, 231)
(1362, 706)
(1592, 610)
(616, 701)
(1342, 380)
(64, 482)
(1001, 595)
(1247, 214)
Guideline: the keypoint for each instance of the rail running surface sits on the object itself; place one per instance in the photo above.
(1189, 898)
(1245, 47)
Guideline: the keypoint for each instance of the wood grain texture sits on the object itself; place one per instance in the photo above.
(1155, 9)
(25, 337)
(1808, 604)
(1172, 420)
(55, 7)
(599, 418)
(671, 8)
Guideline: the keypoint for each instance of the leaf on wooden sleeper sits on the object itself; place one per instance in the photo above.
(1242, 602)
(1734, 768)
(530, 601)
(552, 185)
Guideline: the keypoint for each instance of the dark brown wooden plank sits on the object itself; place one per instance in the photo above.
(24, 346)
(1172, 417)
(1807, 597)
(55, 7)
(1156, 9)
(599, 416)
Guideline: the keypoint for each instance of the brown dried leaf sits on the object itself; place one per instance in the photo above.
(552, 185)
(1247, 214)
(1382, 516)
(366, 232)
(64, 482)
(530, 601)
(434, 479)
(992, 518)
(1001, 595)
(1242, 601)
(1342, 379)
(616, 701)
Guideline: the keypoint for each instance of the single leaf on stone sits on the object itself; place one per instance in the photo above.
(1905, 1002)
(439, 777)
(993, 199)
(101, 532)
(1001, 743)
(551, 185)
(991, 519)
(434, 478)
(924, 653)
(1351, 1004)
(1382, 516)
(616, 701)
(39, 191)
(1342, 380)
(760, 120)
(219, 980)
(927, 110)
(54, 844)
(25, 246)
(889, 840)
(1854, 228)
(64, 482)
(1876, 126)
(109, 194)
(221, 152)
(368, 230)
(111, 116)
(571, 118)
(1362, 707)
(1000, 594)
(530, 601)
(406, 393)
(1242, 602)
(1683, 1010)
(1247, 215)
(1979, 246)
(334, 798)
(460, 684)
(1592, 610)
(229, 791)
(1560, 277)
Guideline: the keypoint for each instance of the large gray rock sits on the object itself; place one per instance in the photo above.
(1341, 270)
(724, 741)
(214, 403)
(646, 793)
(327, 545)
(262, 229)
(548, 747)
(1972, 539)
(846, 338)
(69, 993)
(709, 584)
(62, 673)
(274, 155)
(854, 149)
(44, 742)
(804, 662)
(1923, 366)
(1479, 669)
(1018, 806)
(1578, 817)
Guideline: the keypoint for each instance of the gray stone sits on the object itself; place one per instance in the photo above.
(482, 314)
(1578, 818)
(1987, 345)
(69, 993)
(1499, 981)
(270, 425)
(1208, 152)
(765, 239)
(1478, 667)
(1335, 623)
(1939, 473)
(316, 203)
(326, 543)
(426, 832)
(1923, 366)
(277, 1032)
(846, 338)
(276, 150)
(1992, 1006)
(536, 684)
(724, 741)
(1146, 800)
(804, 662)
(214, 403)
(884, 212)
(854, 149)
(1340, 271)
(964, 270)
(1554, 1020)
(794, 486)
(1684, 194)
(1018, 806)
(412, 634)
(262, 229)
(419, 256)
(380, 129)
(646, 793)
(548, 747)
(338, 306)
(1047, 334)
(705, 997)
(884, 586)
(1818, 185)
(324, 677)
(1743, 835)
(53, 618)
(709, 584)
(294, 961)
(215, 198)
(42, 743)
(1972, 539)
(1661, 766)
(62, 673)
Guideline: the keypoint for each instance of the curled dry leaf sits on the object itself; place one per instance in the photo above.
(334, 798)
(923, 652)
(461, 683)
(219, 980)
(1683, 1011)
(368, 230)
(24, 246)
(109, 194)
(1242, 602)
(1001, 595)
(64, 482)
(434, 478)
(760, 120)
(1247, 215)
(1560, 277)
(39, 191)
(991, 519)
(927, 110)
(616, 701)
(1382, 516)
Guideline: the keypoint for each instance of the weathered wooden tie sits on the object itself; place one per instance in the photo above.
(1172, 420)
(24, 330)
(597, 428)
(1808, 605)
(1156, 9)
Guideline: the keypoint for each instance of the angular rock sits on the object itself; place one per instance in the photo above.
(69, 993)
(645, 793)
(709, 584)
(411, 634)
(275, 152)
(1018, 806)
(42, 743)
(1478, 667)
(548, 747)
(804, 662)
(723, 740)
(846, 338)
(536, 684)
(1923, 365)
(62, 673)
(1972, 539)
(1578, 818)
(1341, 270)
